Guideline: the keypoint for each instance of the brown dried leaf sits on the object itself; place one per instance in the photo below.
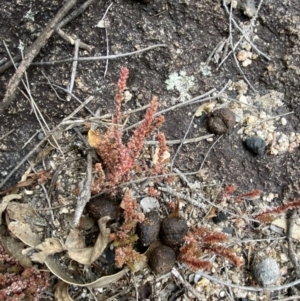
(61, 292)
(75, 240)
(14, 248)
(94, 139)
(49, 247)
(89, 255)
(5, 201)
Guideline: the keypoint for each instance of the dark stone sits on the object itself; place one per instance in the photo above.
(256, 145)
(148, 230)
(173, 230)
(221, 121)
(221, 217)
(162, 259)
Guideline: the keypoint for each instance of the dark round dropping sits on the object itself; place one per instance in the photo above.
(162, 259)
(256, 145)
(148, 230)
(103, 206)
(173, 230)
(221, 121)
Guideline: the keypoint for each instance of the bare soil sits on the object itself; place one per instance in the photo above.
(191, 30)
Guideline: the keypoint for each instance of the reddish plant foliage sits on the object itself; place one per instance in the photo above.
(270, 215)
(124, 238)
(17, 283)
(200, 241)
(120, 161)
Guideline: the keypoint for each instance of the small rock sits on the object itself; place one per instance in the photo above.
(162, 259)
(173, 230)
(256, 145)
(148, 230)
(221, 121)
(266, 271)
(219, 218)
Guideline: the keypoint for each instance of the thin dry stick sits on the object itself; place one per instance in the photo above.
(74, 68)
(179, 195)
(73, 96)
(186, 284)
(194, 100)
(37, 112)
(30, 139)
(29, 154)
(45, 191)
(291, 251)
(49, 82)
(75, 13)
(97, 58)
(106, 38)
(8, 133)
(232, 46)
(72, 41)
(183, 139)
(82, 105)
(178, 141)
(249, 288)
(211, 147)
(85, 191)
(245, 36)
(32, 52)
(23, 160)
(72, 16)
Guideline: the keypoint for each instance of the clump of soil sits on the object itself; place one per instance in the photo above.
(221, 121)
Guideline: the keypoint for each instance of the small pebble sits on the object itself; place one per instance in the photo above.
(256, 145)
(266, 271)
(283, 121)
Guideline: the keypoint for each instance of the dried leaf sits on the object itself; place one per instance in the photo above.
(5, 202)
(24, 233)
(89, 255)
(14, 248)
(49, 247)
(94, 139)
(75, 240)
(205, 107)
(61, 292)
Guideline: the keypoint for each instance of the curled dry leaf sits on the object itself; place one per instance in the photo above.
(206, 108)
(14, 248)
(89, 255)
(61, 292)
(75, 240)
(94, 139)
(5, 202)
(50, 246)
(27, 236)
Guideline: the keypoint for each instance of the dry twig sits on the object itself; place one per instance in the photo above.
(31, 53)
(85, 191)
